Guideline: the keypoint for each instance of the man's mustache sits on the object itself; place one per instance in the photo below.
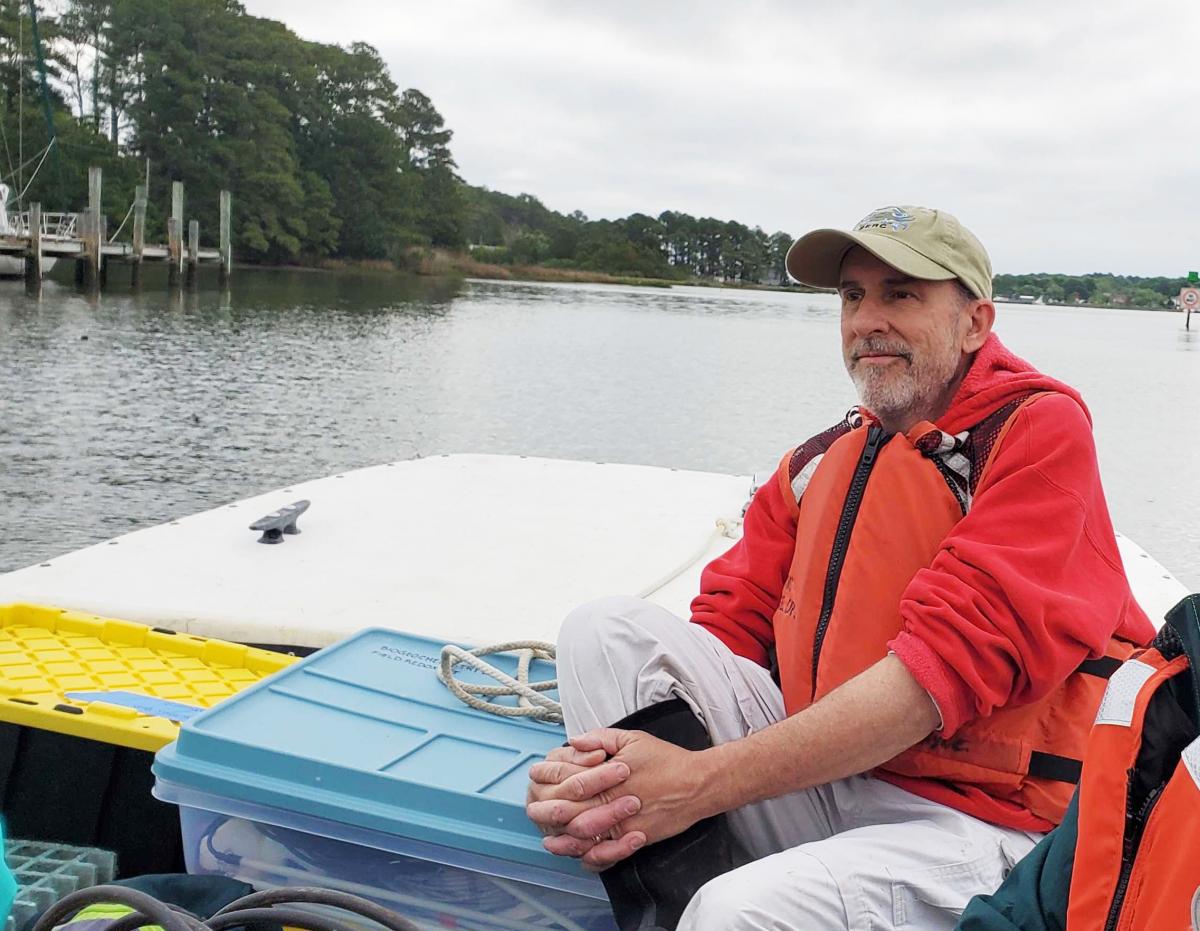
(870, 347)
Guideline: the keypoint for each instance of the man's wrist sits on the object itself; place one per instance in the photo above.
(721, 789)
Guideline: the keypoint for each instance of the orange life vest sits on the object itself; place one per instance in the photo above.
(1137, 866)
(874, 510)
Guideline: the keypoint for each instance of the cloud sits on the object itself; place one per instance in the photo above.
(1059, 132)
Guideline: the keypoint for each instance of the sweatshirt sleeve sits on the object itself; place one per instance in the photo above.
(1027, 585)
(740, 590)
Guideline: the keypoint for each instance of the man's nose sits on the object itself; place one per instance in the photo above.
(870, 317)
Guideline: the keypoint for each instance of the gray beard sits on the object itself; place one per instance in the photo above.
(906, 395)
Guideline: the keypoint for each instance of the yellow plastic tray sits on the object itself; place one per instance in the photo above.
(46, 653)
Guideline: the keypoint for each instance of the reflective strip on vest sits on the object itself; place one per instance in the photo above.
(804, 476)
(1191, 759)
(1122, 693)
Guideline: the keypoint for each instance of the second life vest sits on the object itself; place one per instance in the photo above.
(874, 509)
(1137, 856)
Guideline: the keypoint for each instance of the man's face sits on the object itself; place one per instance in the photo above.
(905, 340)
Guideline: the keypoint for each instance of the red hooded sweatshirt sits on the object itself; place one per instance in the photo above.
(1026, 586)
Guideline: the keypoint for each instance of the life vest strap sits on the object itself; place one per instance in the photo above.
(1102, 667)
(1054, 767)
(1064, 768)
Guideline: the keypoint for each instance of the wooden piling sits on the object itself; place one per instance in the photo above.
(101, 259)
(226, 238)
(95, 230)
(139, 235)
(175, 239)
(33, 258)
(174, 252)
(81, 260)
(177, 202)
(193, 253)
(85, 268)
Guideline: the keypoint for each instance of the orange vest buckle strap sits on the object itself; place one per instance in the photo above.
(871, 493)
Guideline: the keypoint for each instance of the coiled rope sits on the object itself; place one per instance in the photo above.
(531, 703)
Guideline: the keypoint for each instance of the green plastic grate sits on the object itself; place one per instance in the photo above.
(46, 872)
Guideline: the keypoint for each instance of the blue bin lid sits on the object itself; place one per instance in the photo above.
(362, 733)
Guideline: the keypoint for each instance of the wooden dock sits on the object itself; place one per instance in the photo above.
(83, 238)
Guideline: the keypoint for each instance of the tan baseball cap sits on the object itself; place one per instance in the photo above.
(918, 241)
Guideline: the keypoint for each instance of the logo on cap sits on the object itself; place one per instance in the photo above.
(888, 218)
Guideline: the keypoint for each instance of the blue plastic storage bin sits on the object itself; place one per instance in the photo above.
(356, 769)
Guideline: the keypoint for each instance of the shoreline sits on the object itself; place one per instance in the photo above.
(456, 265)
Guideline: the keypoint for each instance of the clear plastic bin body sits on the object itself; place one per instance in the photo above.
(436, 887)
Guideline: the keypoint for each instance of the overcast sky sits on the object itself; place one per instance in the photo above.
(1065, 134)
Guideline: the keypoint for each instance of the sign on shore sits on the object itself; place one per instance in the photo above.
(1189, 300)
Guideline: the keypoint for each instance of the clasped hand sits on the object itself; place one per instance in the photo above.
(611, 791)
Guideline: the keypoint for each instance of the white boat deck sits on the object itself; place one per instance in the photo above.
(469, 548)
(465, 548)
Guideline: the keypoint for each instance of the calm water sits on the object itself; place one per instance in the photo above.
(133, 409)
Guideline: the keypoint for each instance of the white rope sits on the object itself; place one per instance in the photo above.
(113, 237)
(29, 161)
(725, 527)
(33, 176)
(530, 702)
(12, 174)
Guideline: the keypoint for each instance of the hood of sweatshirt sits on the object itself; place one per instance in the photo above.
(995, 377)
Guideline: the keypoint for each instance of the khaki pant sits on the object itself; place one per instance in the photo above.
(856, 854)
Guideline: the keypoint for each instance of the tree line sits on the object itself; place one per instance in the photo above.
(1096, 289)
(326, 157)
(324, 154)
(521, 230)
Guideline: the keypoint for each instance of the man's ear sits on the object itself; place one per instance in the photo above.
(981, 314)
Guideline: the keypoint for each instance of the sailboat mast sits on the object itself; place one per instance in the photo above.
(20, 102)
(46, 109)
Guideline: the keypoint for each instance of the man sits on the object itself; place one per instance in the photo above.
(882, 699)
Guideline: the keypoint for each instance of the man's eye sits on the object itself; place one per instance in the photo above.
(902, 295)
(851, 295)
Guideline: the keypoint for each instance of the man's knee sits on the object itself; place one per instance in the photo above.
(601, 626)
(606, 648)
(587, 623)
(778, 893)
(727, 903)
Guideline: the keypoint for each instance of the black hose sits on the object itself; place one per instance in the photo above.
(135, 920)
(317, 896)
(196, 923)
(130, 922)
(269, 906)
(149, 909)
(280, 915)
